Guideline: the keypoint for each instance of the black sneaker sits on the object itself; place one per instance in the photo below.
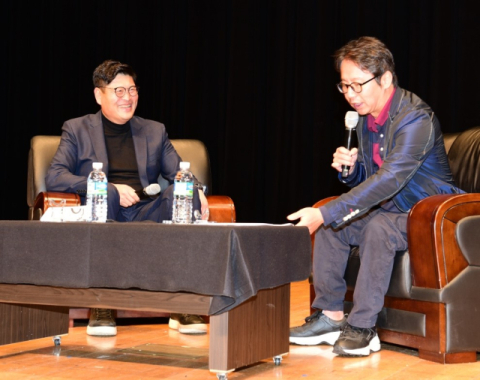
(187, 323)
(317, 329)
(356, 341)
(101, 323)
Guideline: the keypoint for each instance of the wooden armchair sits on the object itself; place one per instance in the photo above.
(433, 298)
(42, 150)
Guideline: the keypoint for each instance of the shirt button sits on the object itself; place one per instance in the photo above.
(381, 135)
(381, 149)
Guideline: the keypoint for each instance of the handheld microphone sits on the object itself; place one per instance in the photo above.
(150, 190)
(351, 121)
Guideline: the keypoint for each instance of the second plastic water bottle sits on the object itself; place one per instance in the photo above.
(183, 195)
(97, 193)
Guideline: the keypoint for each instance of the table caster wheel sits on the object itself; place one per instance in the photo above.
(277, 360)
(57, 340)
(221, 376)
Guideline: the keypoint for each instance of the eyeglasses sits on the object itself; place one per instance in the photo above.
(120, 91)
(357, 87)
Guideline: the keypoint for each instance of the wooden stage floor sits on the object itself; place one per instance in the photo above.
(152, 351)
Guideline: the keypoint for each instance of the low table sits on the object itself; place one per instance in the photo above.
(237, 274)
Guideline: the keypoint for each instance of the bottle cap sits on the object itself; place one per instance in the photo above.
(97, 165)
(184, 165)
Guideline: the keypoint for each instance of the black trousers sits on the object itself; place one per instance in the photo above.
(155, 209)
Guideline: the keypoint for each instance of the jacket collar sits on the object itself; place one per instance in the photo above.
(365, 142)
(97, 137)
(141, 147)
(396, 102)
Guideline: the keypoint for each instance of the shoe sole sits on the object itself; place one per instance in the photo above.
(373, 346)
(194, 329)
(329, 338)
(101, 330)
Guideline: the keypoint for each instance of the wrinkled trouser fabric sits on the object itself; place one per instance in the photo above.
(379, 234)
(154, 209)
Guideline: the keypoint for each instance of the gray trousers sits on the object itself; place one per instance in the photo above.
(379, 234)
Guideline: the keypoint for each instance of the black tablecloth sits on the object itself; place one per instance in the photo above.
(228, 262)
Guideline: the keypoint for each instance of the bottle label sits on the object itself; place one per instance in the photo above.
(183, 189)
(97, 188)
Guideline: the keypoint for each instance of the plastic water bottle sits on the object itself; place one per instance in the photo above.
(97, 193)
(183, 195)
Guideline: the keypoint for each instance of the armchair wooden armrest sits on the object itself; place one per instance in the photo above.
(324, 201)
(435, 256)
(46, 199)
(221, 208)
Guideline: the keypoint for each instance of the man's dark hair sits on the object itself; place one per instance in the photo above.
(369, 53)
(108, 70)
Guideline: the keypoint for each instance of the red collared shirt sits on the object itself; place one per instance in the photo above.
(377, 130)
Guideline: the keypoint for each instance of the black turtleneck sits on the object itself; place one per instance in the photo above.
(122, 162)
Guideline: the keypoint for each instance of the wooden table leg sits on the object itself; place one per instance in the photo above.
(253, 331)
(19, 323)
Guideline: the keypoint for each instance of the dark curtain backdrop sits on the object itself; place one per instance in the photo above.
(253, 79)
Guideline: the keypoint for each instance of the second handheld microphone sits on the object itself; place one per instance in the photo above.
(150, 190)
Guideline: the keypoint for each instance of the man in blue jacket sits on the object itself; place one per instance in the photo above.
(134, 152)
(400, 160)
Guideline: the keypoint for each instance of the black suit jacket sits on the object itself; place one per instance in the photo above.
(83, 142)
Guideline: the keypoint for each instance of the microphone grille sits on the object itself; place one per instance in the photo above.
(351, 119)
(152, 189)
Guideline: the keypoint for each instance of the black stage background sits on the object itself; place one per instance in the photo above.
(253, 79)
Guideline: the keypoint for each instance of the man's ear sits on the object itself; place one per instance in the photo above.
(387, 79)
(98, 95)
